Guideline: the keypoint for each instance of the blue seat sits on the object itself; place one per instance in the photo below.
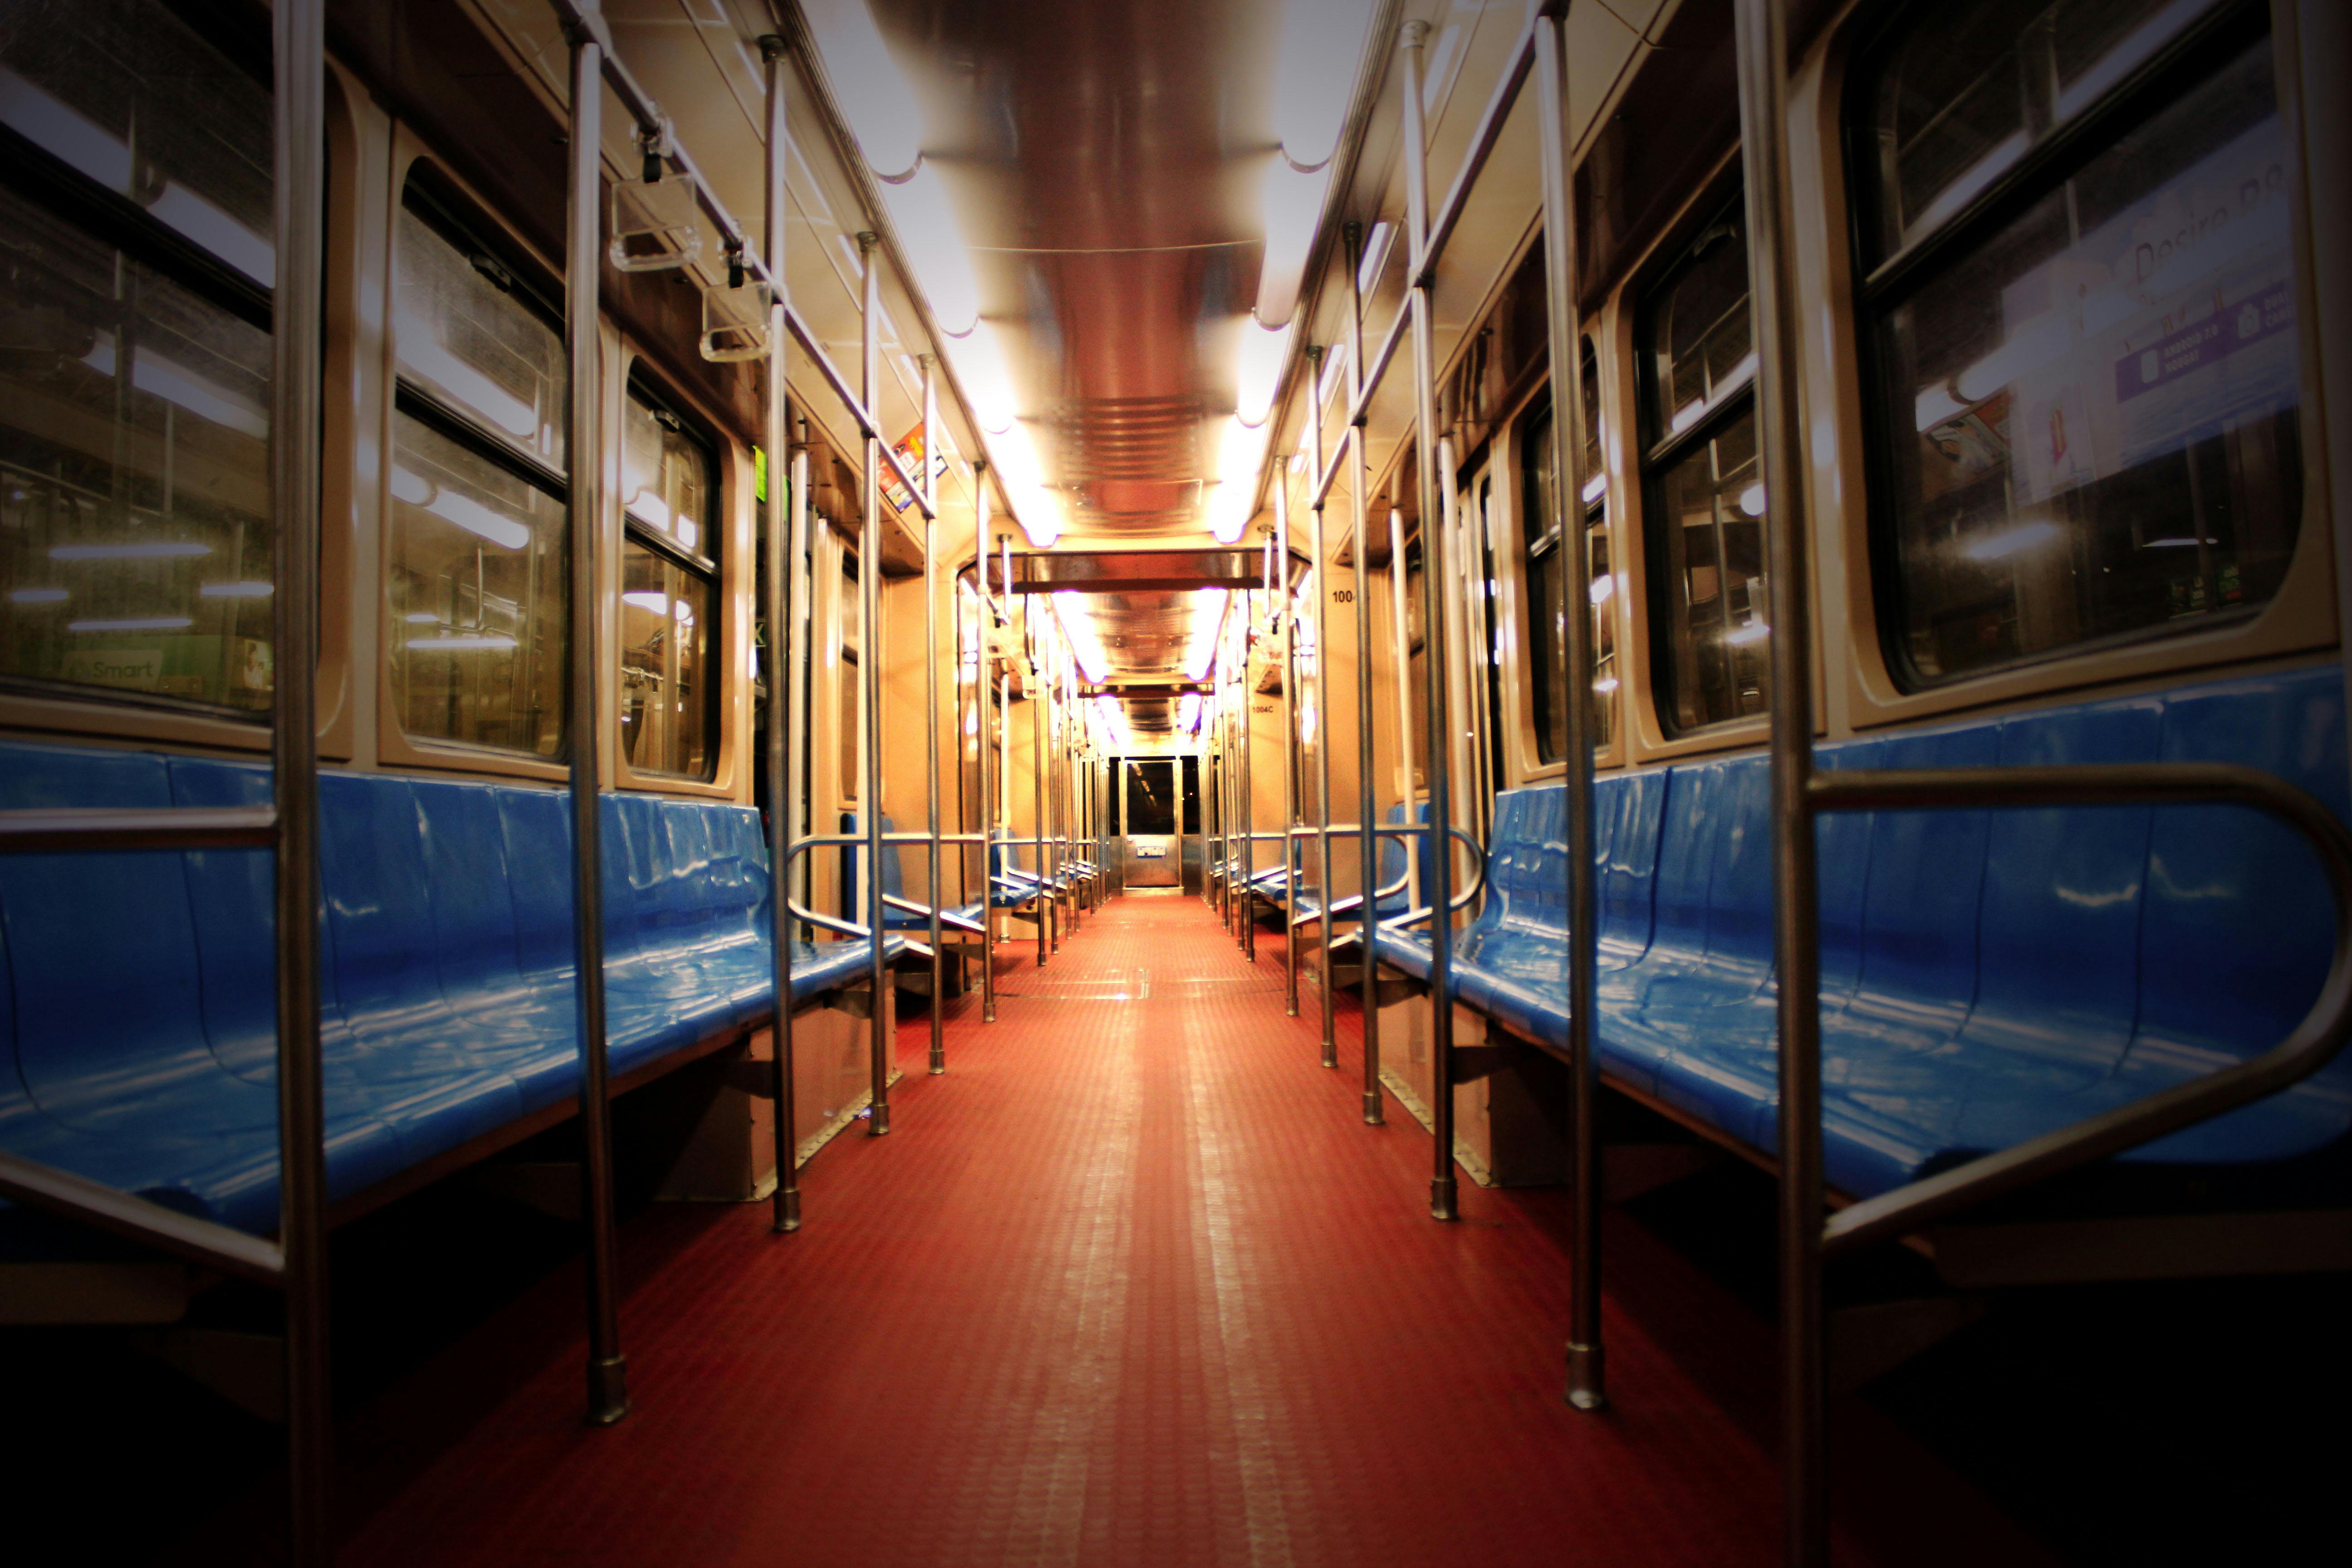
(140, 1041)
(1010, 886)
(894, 885)
(1986, 976)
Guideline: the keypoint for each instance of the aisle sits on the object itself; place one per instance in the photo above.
(1132, 1284)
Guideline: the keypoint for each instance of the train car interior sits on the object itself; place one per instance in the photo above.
(1236, 782)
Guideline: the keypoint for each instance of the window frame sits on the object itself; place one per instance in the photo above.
(46, 181)
(711, 567)
(543, 281)
(1854, 543)
(1655, 454)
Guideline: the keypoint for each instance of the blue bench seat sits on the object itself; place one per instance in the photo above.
(141, 1028)
(1986, 976)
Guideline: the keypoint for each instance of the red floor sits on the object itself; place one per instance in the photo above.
(1131, 1284)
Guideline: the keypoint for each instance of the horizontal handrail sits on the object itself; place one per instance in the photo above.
(866, 424)
(947, 917)
(2314, 1042)
(650, 119)
(72, 829)
(139, 1219)
(1482, 146)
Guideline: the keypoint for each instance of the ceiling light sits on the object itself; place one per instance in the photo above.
(1208, 617)
(233, 591)
(1078, 628)
(934, 247)
(1231, 500)
(1262, 357)
(883, 112)
(1036, 508)
(1310, 98)
(1187, 713)
(143, 624)
(36, 596)
(158, 550)
(986, 378)
(1290, 205)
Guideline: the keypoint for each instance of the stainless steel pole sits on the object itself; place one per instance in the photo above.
(298, 227)
(1442, 1197)
(1762, 45)
(938, 1061)
(1246, 728)
(1367, 805)
(1321, 549)
(1400, 639)
(1586, 1371)
(608, 1391)
(988, 725)
(1036, 683)
(1290, 878)
(783, 500)
(869, 673)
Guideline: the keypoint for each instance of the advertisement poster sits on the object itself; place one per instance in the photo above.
(2162, 327)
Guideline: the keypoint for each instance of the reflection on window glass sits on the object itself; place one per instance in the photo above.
(1700, 351)
(477, 597)
(2091, 409)
(131, 100)
(669, 590)
(665, 663)
(1417, 640)
(1971, 88)
(849, 623)
(1547, 632)
(1711, 523)
(1706, 493)
(466, 335)
(134, 409)
(666, 482)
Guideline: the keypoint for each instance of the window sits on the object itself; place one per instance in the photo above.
(849, 632)
(1540, 492)
(477, 581)
(669, 591)
(135, 525)
(2082, 311)
(1704, 490)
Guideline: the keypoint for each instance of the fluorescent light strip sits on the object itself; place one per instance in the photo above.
(143, 624)
(160, 550)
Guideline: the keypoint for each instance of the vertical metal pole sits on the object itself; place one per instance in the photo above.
(938, 1061)
(987, 728)
(1443, 1203)
(1400, 638)
(783, 500)
(1290, 856)
(1036, 683)
(299, 33)
(1320, 547)
(1585, 1370)
(869, 672)
(1771, 273)
(608, 1393)
(1367, 803)
(1244, 901)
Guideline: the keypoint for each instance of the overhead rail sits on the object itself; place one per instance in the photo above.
(295, 1263)
(1535, 52)
(1800, 794)
(587, 23)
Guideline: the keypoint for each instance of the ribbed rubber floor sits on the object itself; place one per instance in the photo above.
(1132, 1284)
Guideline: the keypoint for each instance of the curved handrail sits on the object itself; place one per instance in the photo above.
(2314, 1042)
(1401, 830)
